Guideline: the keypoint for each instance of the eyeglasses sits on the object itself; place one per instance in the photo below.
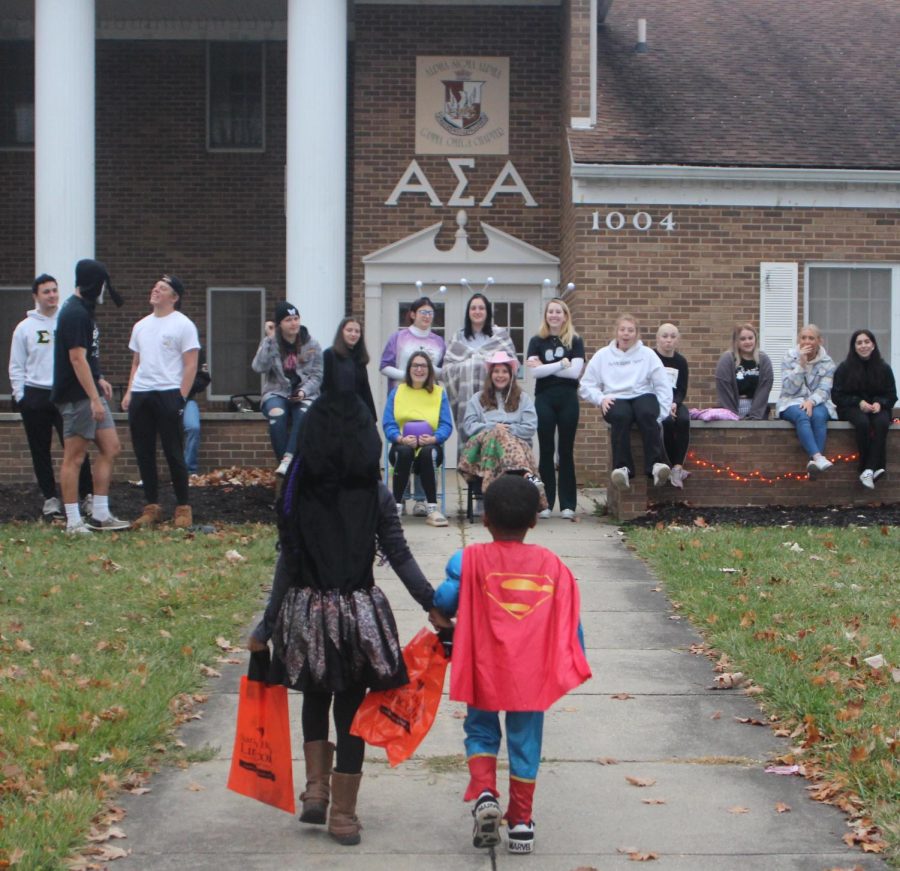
(428, 312)
(419, 366)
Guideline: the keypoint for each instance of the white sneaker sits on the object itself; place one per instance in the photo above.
(52, 508)
(821, 463)
(520, 838)
(283, 465)
(434, 517)
(660, 474)
(676, 478)
(399, 509)
(877, 474)
(620, 478)
(79, 528)
(567, 514)
(87, 505)
(420, 509)
(867, 479)
(545, 514)
(111, 524)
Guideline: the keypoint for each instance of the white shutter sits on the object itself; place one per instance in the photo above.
(777, 315)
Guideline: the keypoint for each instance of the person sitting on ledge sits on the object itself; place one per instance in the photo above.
(744, 376)
(806, 378)
(865, 393)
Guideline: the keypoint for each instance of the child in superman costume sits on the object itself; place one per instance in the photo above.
(517, 647)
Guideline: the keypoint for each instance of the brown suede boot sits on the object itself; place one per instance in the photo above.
(184, 517)
(319, 757)
(150, 516)
(343, 824)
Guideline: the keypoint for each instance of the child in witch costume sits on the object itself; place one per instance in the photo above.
(332, 629)
(517, 648)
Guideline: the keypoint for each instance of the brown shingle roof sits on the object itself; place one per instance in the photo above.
(778, 83)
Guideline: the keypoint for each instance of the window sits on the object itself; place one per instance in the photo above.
(16, 94)
(842, 298)
(234, 328)
(236, 112)
(14, 303)
(512, 316)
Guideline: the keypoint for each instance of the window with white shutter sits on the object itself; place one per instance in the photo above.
(777, 314)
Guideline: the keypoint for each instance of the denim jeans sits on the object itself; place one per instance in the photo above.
(191, 423)
(284, 419)
(810, 430)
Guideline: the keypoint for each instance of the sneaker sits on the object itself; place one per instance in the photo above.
(87, 505)
(661, 474)
(283, 465)
(676, 478)
(52, 509)
(520, 838)
(486, 833)
(867, 479)
(420, 509)
(477, 506)
(533, 479)
(109, 525)
(434, 517)
(545, 514)
(821, 464)
(399, 509)
(619, 478)
(877, 474)
(79, 528)
(567, 514)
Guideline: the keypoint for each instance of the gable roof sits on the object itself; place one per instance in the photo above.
(775, 83)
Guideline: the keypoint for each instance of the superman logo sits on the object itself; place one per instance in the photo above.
(518, 594)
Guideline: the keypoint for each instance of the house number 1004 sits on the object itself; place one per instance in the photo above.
(642, 221)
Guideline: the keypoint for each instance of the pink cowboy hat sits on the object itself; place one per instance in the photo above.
(504, 358)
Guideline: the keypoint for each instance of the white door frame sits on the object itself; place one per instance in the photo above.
(510, 262)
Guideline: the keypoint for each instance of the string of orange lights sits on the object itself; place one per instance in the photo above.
(757, 475)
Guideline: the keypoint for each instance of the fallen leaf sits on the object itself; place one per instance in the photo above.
(715, 715)
(750, 721)
(653, 800)
(234, 557)
(209, 672)
(640, 781)
(195, 787)
(701, 522)
(782, 808)
(622, 697)
(875, 662)
(728, 681)
(65, 747)
(783, 769)
(165, 633)
(606, 760)
(738, 809)
(16, 856)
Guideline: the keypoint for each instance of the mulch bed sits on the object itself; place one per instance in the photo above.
(683, 514)
(226, 496)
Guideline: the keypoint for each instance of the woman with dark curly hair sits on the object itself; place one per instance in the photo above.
(865, 393)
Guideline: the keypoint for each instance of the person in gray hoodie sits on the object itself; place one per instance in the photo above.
(31, 377)
(291, 361)
(628, 383)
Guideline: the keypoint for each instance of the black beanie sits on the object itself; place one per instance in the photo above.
(90, 276)
(285, 310)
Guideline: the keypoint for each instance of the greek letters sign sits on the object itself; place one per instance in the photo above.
(462, 105)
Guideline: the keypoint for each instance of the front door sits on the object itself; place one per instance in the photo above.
(516, 308)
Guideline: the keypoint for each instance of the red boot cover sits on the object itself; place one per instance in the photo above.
(521, 798)
(482, 776)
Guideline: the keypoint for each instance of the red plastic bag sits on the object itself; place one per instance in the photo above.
(261, 766)
(399, 719)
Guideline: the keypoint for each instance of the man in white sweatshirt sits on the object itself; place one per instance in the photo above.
(31, 377)
(627, 381)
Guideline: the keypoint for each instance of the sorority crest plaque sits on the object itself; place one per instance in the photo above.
(462, 105)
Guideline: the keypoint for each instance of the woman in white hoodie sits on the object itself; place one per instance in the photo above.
(627, 381)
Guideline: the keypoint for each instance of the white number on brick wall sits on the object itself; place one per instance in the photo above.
(642, 221)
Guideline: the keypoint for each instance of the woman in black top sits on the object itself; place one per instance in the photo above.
(677, 424)
(556, 359)
(345, 363)
(744, 376)
(333, 631)
(865, 393)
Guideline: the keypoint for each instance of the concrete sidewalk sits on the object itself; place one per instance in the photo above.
(673, 730)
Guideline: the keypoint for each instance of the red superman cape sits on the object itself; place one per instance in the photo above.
(516, 645)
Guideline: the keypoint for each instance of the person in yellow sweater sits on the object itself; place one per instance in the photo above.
(416, 422)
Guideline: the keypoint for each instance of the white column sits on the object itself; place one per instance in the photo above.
(317, 162)
(63, 137)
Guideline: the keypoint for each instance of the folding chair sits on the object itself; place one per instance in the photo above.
(442, 484)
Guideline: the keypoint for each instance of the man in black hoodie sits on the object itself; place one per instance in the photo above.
(82, 395)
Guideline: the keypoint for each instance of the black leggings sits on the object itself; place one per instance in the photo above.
(677, 436)
(350, 749)
(405, 459)
(622, 414)
(871, 436)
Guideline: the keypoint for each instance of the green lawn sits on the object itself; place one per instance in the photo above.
(105, 644)
(799, 611)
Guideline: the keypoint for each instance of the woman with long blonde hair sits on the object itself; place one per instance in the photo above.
(556, 359)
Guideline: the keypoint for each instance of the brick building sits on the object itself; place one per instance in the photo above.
(741, 163)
